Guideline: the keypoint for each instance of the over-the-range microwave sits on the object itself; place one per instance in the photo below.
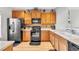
(36, 21)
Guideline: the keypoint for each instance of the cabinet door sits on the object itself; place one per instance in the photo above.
(9, 48)
(63, 45)
(38, 14)
(33, 12)
(44, 35)
(48, 18)
(53, 18)
(52, 39)
(27, 17)
(17, 14)
(43, 18)
(56, 43)
(26, 36)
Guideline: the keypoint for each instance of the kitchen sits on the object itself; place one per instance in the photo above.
(39, 29)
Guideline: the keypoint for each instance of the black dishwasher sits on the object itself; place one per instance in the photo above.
(72, 47)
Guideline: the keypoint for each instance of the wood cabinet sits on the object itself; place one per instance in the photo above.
(18, 14)
(45, 35)
(52, 18)
(59, 43)
(27, 18)
(43, 18)
(52, 38)
(26, 36)
(9, 48)
(36, 13)
(48, 18)
(56, 46)
(63, 45)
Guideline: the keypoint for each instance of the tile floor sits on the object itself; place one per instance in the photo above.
(24, 46)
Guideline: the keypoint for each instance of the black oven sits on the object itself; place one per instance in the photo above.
(35, 35)
(36, 21)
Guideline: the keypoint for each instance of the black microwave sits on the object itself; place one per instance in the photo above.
(36, 21)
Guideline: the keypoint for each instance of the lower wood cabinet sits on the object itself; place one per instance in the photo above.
(52, 40)
(63, 45)
(9, 48)
(56, 39)
(59, 43)
(26, 36)
(45, 35)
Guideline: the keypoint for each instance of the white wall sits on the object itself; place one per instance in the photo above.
(0, 26)
(61, 17)
(5, 13)
(75, 17)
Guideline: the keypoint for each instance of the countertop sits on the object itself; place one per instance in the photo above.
(68, 36)
(5, 44)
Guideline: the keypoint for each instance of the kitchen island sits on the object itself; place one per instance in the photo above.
(6, 45)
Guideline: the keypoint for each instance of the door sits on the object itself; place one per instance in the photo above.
(26, 36)
(53, 18)
(17, 14)
(56, 42)
(36, 13)
(63, 45)
(52, 40)
(27, 17)
(44, 35)
(48, 16)
(43, 18)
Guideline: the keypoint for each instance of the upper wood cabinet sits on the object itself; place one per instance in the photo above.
(43, 18)
(48, 18)
(27, 17)
(53, 17)
(36, 13)
(18, 14)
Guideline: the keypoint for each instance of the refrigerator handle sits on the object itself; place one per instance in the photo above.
(11, 27)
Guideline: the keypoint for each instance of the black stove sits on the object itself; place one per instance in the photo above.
(35, 35)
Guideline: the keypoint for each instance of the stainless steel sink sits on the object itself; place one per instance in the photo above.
(75, 32)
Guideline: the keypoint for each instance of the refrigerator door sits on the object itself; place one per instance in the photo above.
(14, 29)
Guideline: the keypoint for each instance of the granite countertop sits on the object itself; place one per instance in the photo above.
(5, 44)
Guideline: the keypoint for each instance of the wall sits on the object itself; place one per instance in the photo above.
(5, 13)
(75, 17)
(61, 17)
